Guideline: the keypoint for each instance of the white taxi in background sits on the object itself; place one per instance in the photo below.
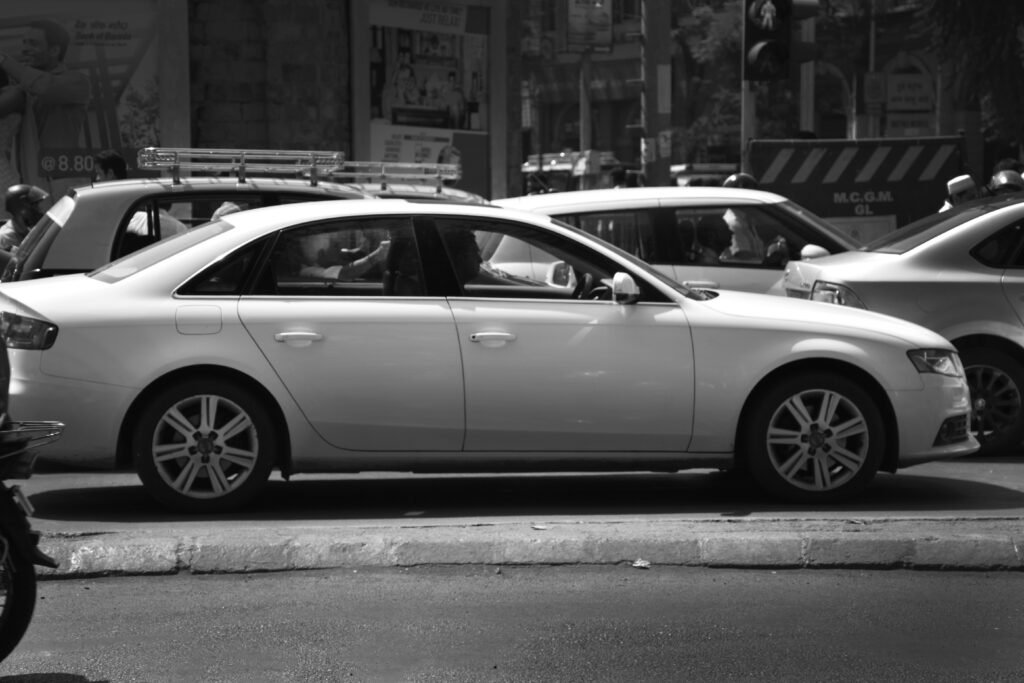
(704, 237)
(379, 335)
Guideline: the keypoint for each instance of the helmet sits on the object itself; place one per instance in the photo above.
(1007, 181)
(741, 180)
(23, 201)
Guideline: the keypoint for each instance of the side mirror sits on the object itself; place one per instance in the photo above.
(560, 274)
(812, 251)
(624, 289)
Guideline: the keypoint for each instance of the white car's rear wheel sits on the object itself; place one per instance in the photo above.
(203, 446)
(814, 437)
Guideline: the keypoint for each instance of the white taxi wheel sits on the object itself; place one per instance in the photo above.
(814, 437)
(204, 446)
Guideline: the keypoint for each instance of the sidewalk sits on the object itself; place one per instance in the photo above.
(955, 544)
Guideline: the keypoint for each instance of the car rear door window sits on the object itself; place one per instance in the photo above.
(1002, 249)
(364, 257)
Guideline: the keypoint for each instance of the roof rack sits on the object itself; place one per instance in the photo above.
(311, 163)
(393, 171)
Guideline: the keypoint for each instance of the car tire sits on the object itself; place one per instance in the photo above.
(185, 458)
(793, 449)
(996, 381)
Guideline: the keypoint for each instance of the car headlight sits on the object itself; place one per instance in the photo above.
(938, 361)
(832, 293)
(20, 332)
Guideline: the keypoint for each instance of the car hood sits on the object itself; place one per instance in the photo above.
(764, 311)
(800, 276)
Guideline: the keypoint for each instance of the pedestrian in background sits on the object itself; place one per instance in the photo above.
(109, 165)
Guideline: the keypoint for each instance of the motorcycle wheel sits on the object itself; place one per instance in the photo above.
(18, 594)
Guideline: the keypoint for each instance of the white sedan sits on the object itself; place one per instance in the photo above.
(344, 336)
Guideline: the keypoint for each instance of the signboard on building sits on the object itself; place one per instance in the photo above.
(586, 25)
(909, 92)
(118, 87)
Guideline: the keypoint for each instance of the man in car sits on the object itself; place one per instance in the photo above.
(745, 245)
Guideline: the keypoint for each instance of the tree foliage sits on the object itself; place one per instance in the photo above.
(985, 45)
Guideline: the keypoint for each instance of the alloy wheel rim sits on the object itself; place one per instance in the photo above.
(818, 440)
(995, 401)
(205, 446)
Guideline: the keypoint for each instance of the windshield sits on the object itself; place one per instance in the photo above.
(920, 231)
(635, 261)
(821, 224)
(158, 251)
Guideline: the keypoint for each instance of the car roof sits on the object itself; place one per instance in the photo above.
(553, 201)
(418, 192)
(139, 187)
(282, 215)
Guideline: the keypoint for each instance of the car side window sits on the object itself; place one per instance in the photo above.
(1002, 249)
(228, 276)
(158, 218)
(509, 260)
(365, 257)
(728, 236)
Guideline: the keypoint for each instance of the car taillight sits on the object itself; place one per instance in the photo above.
(21, 332)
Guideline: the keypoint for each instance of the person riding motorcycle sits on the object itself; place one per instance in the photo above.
(24, 204)
(1006, 182)
(741, 179)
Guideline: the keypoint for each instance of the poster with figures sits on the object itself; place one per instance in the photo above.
(78, 76)
(428, 80)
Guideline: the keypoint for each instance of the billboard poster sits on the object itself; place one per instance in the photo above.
(428, 84)
(79, 76)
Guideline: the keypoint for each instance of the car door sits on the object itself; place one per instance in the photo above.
(1000, 256)
(554, 365)
(372, 367)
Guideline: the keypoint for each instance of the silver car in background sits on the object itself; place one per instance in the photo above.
(959, 272)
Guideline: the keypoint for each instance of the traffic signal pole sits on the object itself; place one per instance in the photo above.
(770, 54)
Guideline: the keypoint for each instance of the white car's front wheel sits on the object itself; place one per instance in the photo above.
(814, 437)
(204, 446)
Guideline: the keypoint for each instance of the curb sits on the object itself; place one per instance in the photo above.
(879, 544)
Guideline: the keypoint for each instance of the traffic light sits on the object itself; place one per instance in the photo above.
(768, 45)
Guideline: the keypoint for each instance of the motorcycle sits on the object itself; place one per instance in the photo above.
(19, 543)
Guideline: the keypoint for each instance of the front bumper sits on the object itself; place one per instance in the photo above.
(923, 415)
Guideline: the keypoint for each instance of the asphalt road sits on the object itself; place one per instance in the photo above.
(529, 624)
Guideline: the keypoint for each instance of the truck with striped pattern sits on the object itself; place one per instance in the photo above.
(866, 187)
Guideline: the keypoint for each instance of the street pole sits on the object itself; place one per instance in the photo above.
(585, 78)
(656, 99)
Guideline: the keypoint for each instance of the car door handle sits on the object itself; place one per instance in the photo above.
(298, 338)
(701, 284)
(492, 338)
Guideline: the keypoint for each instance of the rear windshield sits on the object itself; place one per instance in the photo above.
(920, 231)
(158, 251)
